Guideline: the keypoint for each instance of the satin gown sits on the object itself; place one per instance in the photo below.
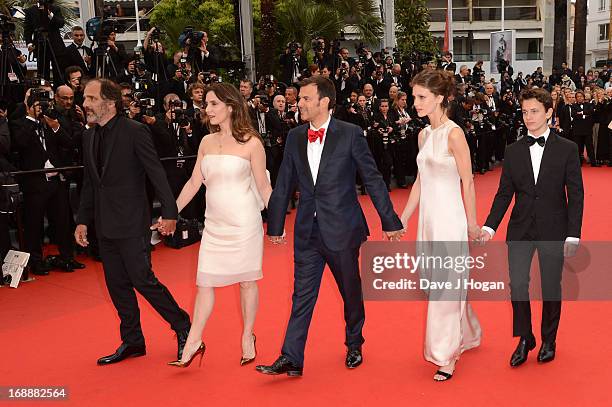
(452, 326)
(232, 241)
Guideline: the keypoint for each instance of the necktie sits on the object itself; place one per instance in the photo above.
(313, 135)
(532, 140)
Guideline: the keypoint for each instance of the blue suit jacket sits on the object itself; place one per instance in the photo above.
(341, 221)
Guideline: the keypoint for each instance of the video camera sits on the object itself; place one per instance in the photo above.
(317, 45)
(210, 77)
(190, 37)
(7, 26)
(98, 30)
(293, 47)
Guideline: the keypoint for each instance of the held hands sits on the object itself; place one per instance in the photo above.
(278, 239)
(165, 226)
(80, 235)
(395, 235)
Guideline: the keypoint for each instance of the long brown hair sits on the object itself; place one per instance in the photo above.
(242, 128)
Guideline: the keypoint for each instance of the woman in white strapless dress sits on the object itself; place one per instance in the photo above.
(444, 168)
(232, 164)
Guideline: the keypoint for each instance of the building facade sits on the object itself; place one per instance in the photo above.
(474, 20)
(598, 33)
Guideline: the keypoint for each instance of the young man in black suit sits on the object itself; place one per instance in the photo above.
(118, 155)
(542, 172)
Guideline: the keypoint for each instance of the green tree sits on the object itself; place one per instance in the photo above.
(580, 23)
(412, 19)
(303, 20)
(216, 17)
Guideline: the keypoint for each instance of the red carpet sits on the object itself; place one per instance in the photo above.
(53, 330)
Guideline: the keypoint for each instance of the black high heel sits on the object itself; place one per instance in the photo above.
(200, 351)
(246, 361)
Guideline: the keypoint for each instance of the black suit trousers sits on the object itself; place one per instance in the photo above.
(309, 265)
(550, 258)
(51, 199)
(127, 266)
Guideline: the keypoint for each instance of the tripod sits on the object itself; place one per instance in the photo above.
(103, 61)
(44, 50)
(6, 66)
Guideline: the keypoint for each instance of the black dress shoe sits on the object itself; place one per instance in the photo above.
(522, 350)
(353, 358)
(40, 268)
(547, 352)
(181, 339)
(75, 264)
(280, 366)
(58, 263)
(124, 351)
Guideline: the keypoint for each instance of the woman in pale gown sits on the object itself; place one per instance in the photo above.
(232, 164)
(444, 169)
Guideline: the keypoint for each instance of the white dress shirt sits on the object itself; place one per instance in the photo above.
(536, 152)
(315, 149)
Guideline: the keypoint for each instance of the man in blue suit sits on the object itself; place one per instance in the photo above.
(321, 159)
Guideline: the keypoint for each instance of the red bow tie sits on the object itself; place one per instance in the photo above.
(313, 135)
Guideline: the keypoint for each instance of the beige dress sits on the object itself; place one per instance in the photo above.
(452, 325)
(232, 240)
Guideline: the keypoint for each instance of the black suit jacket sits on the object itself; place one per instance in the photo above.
(342, 223)
(556, 201)
(75, 58)
(116, 199)
(32, 154)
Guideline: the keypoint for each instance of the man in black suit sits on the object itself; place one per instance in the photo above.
(41, 31)
(40, 140)
(202, 56)
(542, 172)
(118, 157)
(583, 119)
(322, 158)
(79, 54)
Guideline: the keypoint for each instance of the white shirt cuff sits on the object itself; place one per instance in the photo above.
(489, 231)
(572, 240)
(55, 130)
(50, 15)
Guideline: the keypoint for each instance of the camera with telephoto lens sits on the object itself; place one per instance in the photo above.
(208, 77)
(156, 34)
(98, 30)
(293, 47)
(146, 104)
(177, 108)
(44, 98)
(317, 45)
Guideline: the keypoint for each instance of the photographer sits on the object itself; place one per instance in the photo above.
(383, 140)
(279, 124)
(291, 100)
(114, 55)
(74, 79)
(293, 62)
(404, 154)
(72, 119)
(39, 139)
(41, 31)
(321, 56)
(446, 62)
(5, 166)
(78, 53)
(380, 81)
(582, 127)
(246, 89)
(155, 55)
(179, 83)
(346, 80)
(171, 132)
(480, 123)
(202, 56)
(498, 141)
(196, 113)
